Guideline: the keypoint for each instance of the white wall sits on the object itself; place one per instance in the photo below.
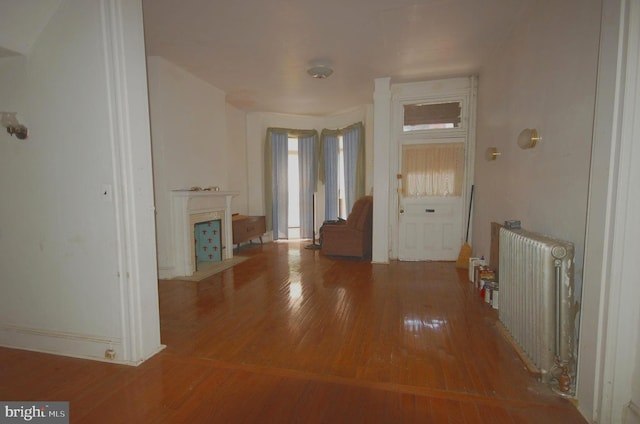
(543, 77)
(197, 140)
(237, 159)
(76, 262)
(21, 23)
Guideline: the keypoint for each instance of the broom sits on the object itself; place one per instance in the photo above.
(465, 250)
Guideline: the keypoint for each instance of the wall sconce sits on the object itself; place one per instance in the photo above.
(528, 138)
(492, 153)
(10, 122)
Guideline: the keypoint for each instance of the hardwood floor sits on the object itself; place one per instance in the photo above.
(292, 336)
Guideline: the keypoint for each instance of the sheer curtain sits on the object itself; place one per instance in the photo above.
(351, 147)
(330, 151)
(307, 175)
(354, 166)
(432, 169)
(276, 179)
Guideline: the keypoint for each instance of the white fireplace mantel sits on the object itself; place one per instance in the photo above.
(190, 207)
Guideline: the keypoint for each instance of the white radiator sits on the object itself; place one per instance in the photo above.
(536, 300)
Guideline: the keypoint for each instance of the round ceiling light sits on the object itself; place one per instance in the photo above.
(320, 71)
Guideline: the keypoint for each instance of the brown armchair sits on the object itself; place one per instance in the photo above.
(353, 236)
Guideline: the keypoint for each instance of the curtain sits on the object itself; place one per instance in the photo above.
(268, 180)
(354, 164)
(280, 188)
(276, 183)
(350, 143)
(432, 169)
(330, 158)
(360, 166)
(307, 175)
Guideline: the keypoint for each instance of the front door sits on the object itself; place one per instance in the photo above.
(433, 133)
(430, 210)
(430, 229)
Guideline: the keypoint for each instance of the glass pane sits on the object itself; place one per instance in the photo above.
(294, 190)
(432, 169)
(432, 116)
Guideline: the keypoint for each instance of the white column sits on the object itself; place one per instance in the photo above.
(609, 357)
(228, 230)
(134, 204)
(381, 142)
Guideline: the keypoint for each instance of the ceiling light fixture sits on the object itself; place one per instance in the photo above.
(320, 71)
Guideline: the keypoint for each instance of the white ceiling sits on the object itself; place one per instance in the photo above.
(257, 51)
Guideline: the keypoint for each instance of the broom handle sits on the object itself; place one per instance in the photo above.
(466, 240)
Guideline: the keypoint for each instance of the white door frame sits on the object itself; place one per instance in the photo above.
(452, 89)
(609, 362)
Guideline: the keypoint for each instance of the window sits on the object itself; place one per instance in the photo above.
(290, 181)
(342, 193)
(430, 116)
(432, 169)
(342, 172)
(294, 189)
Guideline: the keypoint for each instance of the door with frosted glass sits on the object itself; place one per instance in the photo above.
(430, 200)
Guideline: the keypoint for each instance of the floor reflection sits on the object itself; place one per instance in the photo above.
(416, 324)
(295, 294)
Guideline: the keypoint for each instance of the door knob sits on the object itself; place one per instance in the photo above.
(429, 210)
(401, 210)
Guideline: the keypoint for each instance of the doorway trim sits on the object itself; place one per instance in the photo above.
(452, 89)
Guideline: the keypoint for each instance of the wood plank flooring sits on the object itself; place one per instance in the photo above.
(293, 336)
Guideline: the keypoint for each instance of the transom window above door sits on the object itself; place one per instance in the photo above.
(432, 116)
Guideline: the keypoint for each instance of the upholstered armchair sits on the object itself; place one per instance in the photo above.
(353, 236)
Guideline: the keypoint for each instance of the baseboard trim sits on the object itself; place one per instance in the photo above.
(85, 346)
(166, 272)
(632, 414)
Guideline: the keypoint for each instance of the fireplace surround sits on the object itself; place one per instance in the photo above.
(189, 208)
